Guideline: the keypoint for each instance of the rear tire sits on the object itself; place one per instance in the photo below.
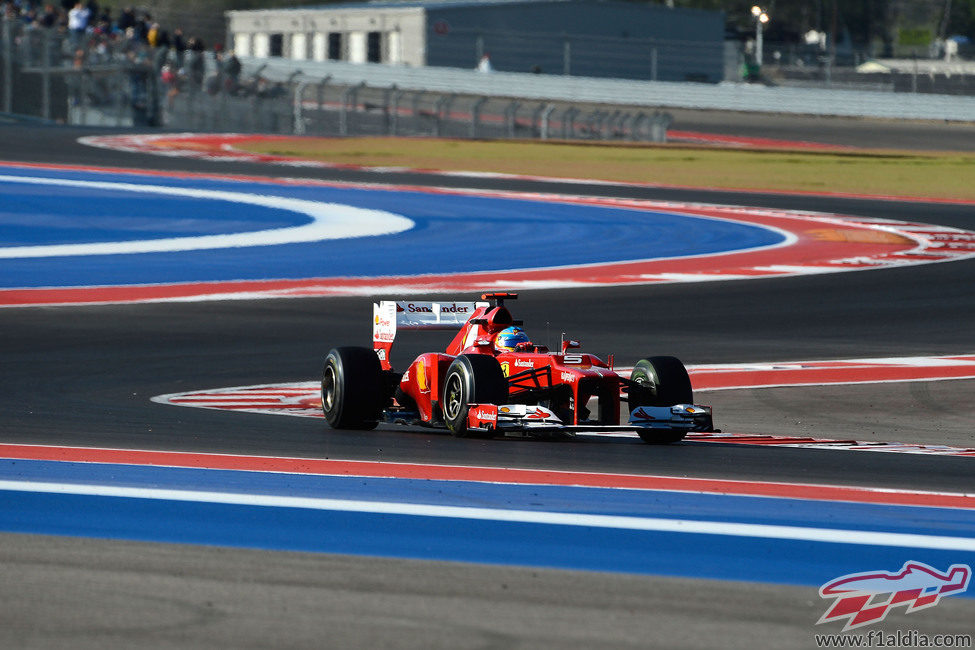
(352, 388)
(471, 379)
(662, 381)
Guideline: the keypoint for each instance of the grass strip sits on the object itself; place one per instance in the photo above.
(887, 173)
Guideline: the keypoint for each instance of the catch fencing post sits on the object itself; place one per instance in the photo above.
(320, 90)
(387, 100)
(659, 125)
(568, 122)
(615, 124)
(344, 109)
(636, 124)
(476, 115)
(596, 121)
(299, 120)
(443, 111)
(543, 128)
(536, 118)
(625, 133)
(83, 90)
(46, 77)
(8, 66)
(397, 96)
(510, 117)
(349, 100)
(320, 97)
(417, 114)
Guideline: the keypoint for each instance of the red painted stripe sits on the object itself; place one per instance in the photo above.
(751, 142)
(822, 376)
(487, 474)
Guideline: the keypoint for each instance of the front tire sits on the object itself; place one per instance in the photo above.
(471, 379)
(352, 388)
(661, 381)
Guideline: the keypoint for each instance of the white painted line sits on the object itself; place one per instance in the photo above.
(825, 535)
(328, 221)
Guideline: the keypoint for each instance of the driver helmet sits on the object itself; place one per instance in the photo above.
(511, 339)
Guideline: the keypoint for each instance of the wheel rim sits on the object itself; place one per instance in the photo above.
(647, 383)
(328, 389)
(454, 390)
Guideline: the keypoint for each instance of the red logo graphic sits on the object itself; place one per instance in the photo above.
(866, 598)
(640, 414)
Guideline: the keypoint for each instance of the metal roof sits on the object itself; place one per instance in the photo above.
(412, 4)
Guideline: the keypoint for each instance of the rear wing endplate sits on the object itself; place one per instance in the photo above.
(392, 315)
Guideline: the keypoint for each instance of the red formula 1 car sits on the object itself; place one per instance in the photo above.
(492, 380)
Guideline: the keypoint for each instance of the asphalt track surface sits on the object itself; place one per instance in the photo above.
(84, 375)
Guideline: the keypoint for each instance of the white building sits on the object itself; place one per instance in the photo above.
(599, 38)
(354, 33)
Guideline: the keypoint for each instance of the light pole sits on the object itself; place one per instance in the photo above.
(760, 19)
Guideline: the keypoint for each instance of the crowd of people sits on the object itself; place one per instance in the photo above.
(94, 35)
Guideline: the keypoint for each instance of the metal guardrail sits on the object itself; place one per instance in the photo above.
(645, 94)
(324, 108)
(303, 107)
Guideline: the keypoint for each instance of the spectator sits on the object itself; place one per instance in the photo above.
(77, 24)
(152, 36)
(142, 27)
(126, 20)
(134, 48)
(215, 81)
(49, 18)
(484, 65)
(172, 81)
(231, 69)
(179, 47)
(195, 63)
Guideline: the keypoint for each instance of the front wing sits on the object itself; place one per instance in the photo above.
(521, 420)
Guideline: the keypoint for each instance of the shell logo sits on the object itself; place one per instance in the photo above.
(421, 377)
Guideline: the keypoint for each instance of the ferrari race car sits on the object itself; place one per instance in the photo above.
(492, 380)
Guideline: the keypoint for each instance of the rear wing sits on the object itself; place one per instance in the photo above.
(392, 315)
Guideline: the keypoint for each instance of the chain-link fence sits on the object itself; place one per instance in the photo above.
(78, 79)
(321, 108)
(307, 107)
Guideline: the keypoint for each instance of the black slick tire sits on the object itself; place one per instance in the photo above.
(352, 388)
(471, 379)
(662, 381)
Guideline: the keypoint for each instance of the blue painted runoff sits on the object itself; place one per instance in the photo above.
(453, 233)
(475, 540)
